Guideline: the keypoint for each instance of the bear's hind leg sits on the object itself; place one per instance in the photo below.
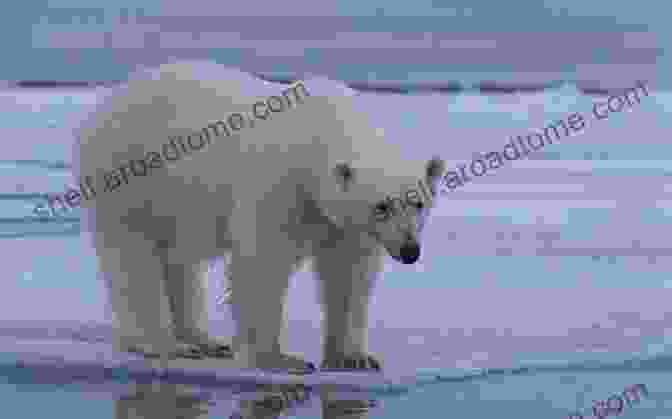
(347, 273)
(141, 314)
(186, 286)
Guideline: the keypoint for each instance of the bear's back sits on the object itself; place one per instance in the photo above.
(180, 98)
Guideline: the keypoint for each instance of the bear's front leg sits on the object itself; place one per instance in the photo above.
(260, 273)
(133, 270)
(347, 272)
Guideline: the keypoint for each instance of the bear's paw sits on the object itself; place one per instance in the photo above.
(180, 350)
(295, 365)
(282, 363)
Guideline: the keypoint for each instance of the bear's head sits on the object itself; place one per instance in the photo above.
(390, 209)
(370, 187)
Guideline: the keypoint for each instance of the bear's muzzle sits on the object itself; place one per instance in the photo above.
(409, 253)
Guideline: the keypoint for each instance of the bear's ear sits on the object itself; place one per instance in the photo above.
(434, 169)
(344, 174)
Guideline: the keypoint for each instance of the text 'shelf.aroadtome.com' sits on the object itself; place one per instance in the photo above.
(174, 149)
(522, 145)
(614, 404)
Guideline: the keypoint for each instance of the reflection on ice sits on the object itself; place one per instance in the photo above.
(168, 401)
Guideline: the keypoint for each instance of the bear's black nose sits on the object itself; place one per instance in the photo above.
(410, 253)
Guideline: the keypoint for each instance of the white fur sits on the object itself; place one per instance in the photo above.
(267, 197)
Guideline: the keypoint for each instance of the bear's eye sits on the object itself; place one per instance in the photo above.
(419, 205)
(383, 207)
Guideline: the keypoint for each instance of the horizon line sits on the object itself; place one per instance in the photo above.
(452, 87)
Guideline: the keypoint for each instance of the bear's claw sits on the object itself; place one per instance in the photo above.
(355, 362)
(297, 366)
(284, 364)
(182, 351)
(216, 351)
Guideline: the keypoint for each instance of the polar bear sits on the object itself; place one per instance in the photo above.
(315, 182)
